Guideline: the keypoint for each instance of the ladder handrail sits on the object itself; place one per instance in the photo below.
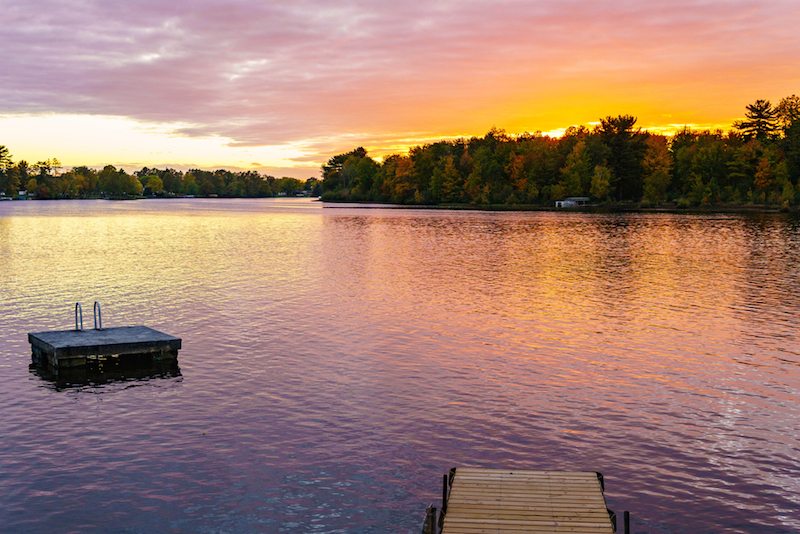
(98, 316)
(78, 310)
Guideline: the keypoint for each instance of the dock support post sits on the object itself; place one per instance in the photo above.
(444, 492)
(429, 525)
(626, 520)
(446, 480)
(601, 480)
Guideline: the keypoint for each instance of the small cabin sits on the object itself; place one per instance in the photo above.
(572, 202)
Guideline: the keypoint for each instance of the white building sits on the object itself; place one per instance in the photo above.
(572, 202)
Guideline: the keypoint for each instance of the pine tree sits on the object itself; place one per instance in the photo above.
(761, 121)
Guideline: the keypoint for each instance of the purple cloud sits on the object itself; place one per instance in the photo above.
(265, 73)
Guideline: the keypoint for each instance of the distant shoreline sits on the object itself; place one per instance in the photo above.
(374, 204)
(607, 208)
(371, 204)
(125, 198)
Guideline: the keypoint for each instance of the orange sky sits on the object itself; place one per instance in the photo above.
(281, 88)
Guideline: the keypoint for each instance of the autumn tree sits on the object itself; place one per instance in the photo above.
(785, 189)
(172, 180)
(741, 168)
(444, 185)
(656, 165)
(788, 111)
(106, 178)
(357, 174)
(153, 185)
(332, 171)
(485, 169)
(396, 176)
(9, 179)
(116, 182)
(576, 174)
(602, 178)
(788, 114)
(764, 177)
(189, 184)
(85, 180)
(791, 149)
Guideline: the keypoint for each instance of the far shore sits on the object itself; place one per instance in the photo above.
(371, 204)
(596, 208)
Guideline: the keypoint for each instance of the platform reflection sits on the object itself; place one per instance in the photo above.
(105, 370)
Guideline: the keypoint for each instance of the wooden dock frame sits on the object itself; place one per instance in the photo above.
(78, 348)
(478, 500)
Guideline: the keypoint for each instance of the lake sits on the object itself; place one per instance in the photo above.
(336, 361)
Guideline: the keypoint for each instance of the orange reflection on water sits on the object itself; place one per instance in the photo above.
(328, 345)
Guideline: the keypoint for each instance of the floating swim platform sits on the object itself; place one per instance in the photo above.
(76, 348)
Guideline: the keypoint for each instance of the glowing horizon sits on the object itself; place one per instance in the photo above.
(281, 88)
(113, 135)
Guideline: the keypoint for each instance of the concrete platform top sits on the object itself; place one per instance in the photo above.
(107, 340)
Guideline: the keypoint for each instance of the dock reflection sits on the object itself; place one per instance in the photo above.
(107, 370)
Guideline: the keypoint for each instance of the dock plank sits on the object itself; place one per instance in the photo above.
(492, 500)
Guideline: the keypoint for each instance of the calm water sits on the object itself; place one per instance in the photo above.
(337, 361)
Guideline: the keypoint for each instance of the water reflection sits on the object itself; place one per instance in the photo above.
(340, 360)
(132, 368)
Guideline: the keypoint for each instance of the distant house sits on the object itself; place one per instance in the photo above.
(572, 202)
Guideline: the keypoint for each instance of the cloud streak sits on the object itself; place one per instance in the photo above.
(263, 73)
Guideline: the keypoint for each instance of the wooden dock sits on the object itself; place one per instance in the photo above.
(496, 501)
(77, 348)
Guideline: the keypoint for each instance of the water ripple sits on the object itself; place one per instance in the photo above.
(337, 361)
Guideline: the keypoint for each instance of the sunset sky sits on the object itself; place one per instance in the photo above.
(282, 86)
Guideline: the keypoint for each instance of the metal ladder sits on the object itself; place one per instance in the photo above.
(98, 316)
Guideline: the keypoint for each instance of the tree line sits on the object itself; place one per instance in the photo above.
(756, 162)
(47, 180)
